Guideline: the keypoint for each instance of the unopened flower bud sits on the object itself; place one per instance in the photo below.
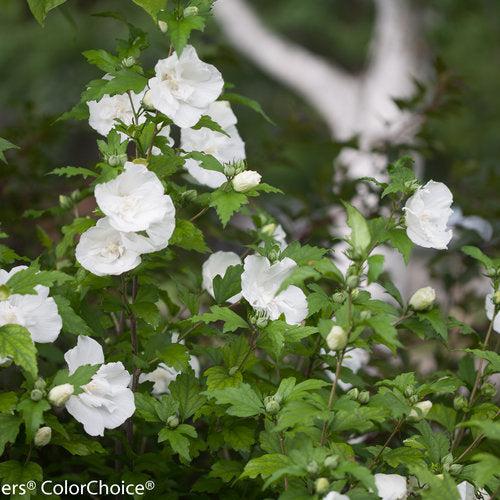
(352, 281)
(244, 181)
(274, 254)
(43, 436)
(337, 338)
(488, 390)
(409, 391)
(353, 394)
(420, 410)
(271, 405)
(259, 318)
(365, 315)
(189, 195)
(496, 298)
(65, 201)
(456, 468)
(173, 421)
(339, 297)
(354, 293)
(460, 403)
(332, 461)
(36, 395)
(312, 467)
(163, 26)
(114, 161)
(190, 11)
(364, 397)
(321, 485)
(229, 170)
(146, 101)
(59, 394)
(233, 370)
(4, 292)
(423, 299)
(128, 62)
(269, 229)
(239, 166)
(413, 399)
(40, 384)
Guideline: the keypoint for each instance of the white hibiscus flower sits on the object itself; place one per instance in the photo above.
(109, 110)
(391, 486)
(37, 313)
(490, 309)
(427, 213)
(106, 401)
(260, 283)
(333, 495)
(355, 360)
(134, 200)
(224, 148)
(103, 250)
(216, 265)
(184, 87)
(467, 492)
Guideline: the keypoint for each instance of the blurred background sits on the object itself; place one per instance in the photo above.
(326, 71)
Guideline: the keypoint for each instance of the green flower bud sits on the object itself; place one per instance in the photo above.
(365, 315)
(40, 384)
(163, 26)
(413, 399)
(420, 410)
(364, 397)
(272, 406)
(189, 195)
(353, 394)
(409, 391)
(173, 421)
(339, 297)
(146, 101)
(352, 282)
(190, 11)
(331, 462)
(233, 370)
(4, 292)
(42, 436)
(229, 170)
(239, 166)
(260, 318)
(269, 229)
(312, 467)
(337, 338)
(59, 394)
(460, 403)
(423, 299)
(456, 468)
(321, 485)
(128, 62)
(114, 161)
(36, 395)
(496, 298)
(488, 390)
(65, 201)
(354, 293)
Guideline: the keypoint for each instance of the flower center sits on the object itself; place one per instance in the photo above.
(114, 250)
(12, 316)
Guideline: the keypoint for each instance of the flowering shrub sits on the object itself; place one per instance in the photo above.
(227, 361)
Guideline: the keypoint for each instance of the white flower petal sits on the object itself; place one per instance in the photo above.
(391, 486)
(292, 303)
(86, 352)
(490, 309)
(217, 265)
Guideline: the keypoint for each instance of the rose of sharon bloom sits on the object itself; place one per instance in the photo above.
(224, 148)
(246, 180)
(490, 309)
(109, 110)
(467, 492)
(106, 401)
(260, 283)
(427, 213)
(103, 250)
(184, 87)
(134, 200)
(38, 313)
(422, 299)
(216, 265)
(391, 486)
(333, 495)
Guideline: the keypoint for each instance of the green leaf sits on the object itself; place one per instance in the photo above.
(179, 29)
(231, 320)
(152, 7)
(40, 8)
(9, 429)
(8, 401)
(437, 321)
(400, 241)
(124, 80)
(249, 103)
(265, 465)
(16, 343)
(188, 236)
(227, 203)
(218, 378)
(243, 400)
(375, 267)
(490, 429)
(79, 445)
(174, 355)
(385, 331)
(72, 323)
(148, 312)
(4, 146)
(360, 233)
(402, 177)
(239, 437)
(490, 356)
(13, 472)
(32, 412)
(73, 171)
(24, 281)
(478, 255)
(206, 122)
(227, 470)
(305, 255)
(486, 469)
(229, 285)
(178, 440)
(185, 389)
(404, 456)
(82, 376)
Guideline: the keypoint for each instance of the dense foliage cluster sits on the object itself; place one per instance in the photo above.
(223, 360)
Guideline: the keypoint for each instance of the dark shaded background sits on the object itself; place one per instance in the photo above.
(42, 73)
